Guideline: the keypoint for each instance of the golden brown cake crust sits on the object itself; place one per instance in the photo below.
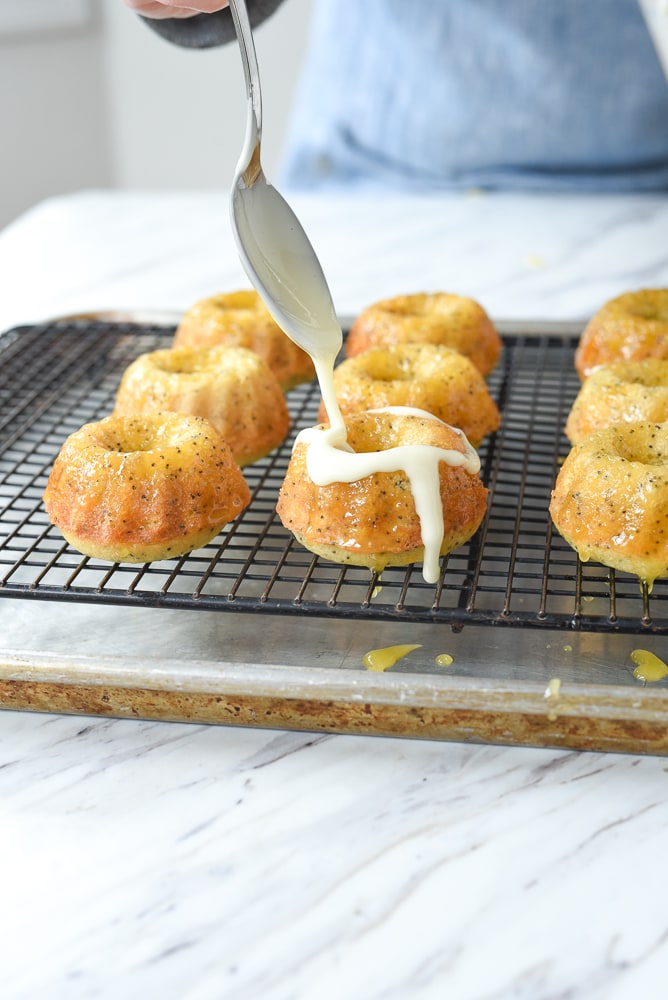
(372, 521)
(437, 318)
(430, 377)
(241, 319)
(610, 500)
(630, 327)
(625, 392)
(135, 489)
(231, 387)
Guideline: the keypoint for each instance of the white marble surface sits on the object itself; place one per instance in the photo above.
(522, 257)
(173, 861)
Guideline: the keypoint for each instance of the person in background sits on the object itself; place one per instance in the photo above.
(433, 95)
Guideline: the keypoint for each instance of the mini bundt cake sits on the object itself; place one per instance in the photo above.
(626, 392)
(439, 318)
(136, 489)
(241, 319)
(402, 487)
(430, 377)
(610, 500)
(630, 327)
(231, 387)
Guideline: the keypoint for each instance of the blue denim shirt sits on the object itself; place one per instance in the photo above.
(424, 95)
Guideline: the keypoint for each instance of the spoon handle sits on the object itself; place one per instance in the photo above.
(242, 26)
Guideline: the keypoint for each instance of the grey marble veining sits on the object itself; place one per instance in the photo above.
(204, 862)
(181, 861)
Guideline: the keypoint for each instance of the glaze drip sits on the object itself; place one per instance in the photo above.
(331, 460)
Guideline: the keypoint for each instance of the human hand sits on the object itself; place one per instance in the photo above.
(159, 9)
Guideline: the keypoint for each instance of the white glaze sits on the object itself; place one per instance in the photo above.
(329, 459)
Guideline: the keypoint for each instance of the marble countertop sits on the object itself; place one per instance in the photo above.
(185, 861)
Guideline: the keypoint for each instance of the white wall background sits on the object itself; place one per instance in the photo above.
(96, 100)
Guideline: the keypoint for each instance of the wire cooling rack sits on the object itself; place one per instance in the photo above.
(516, 571)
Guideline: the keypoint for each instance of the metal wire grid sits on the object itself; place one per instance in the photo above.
(516, 571)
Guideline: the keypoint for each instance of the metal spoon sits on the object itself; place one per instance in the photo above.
(274, 249)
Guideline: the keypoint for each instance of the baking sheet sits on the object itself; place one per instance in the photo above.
(555, 668)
